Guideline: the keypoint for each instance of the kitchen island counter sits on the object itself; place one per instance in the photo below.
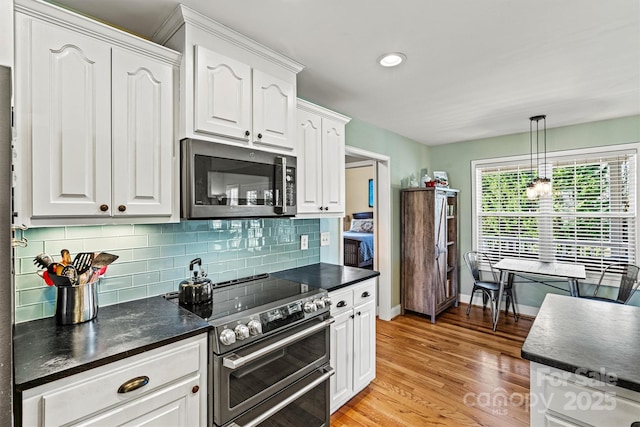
(45, 351)
(327, 276)
(587, 337)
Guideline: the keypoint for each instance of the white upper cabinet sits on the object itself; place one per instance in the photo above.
(94, 120)
(274, 111)
(142, 115)
(321, 141)
(233, 89)
(70, 115)
(222, 95)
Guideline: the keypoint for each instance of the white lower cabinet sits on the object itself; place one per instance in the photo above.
(353, 341)
(162, 387)
(563, 399)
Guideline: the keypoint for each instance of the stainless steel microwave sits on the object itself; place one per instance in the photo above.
(225, 181)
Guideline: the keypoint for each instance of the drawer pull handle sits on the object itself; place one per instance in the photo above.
(341, 304)
(366, 294)
(133, 384)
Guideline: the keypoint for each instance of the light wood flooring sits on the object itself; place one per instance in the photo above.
(456, 372)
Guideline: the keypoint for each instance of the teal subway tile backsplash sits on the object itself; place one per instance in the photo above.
(154, 258)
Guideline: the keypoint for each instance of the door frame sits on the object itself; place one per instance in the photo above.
(382, 216)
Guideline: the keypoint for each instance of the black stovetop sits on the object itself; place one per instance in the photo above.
(244, 295)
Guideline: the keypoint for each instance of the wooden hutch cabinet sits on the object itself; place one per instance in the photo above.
(429, 250)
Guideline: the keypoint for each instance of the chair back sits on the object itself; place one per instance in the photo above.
(628, 280)
(474, 261)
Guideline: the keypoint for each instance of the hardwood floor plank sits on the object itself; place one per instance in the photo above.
(456, 372)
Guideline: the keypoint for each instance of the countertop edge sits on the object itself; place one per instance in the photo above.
(107, 359)
(577, 370)
(352, 282)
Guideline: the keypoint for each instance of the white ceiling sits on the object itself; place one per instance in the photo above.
(475, 68)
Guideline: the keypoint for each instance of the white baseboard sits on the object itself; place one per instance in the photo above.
(527, 310)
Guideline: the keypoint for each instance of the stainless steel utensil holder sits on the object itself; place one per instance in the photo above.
(76, 304)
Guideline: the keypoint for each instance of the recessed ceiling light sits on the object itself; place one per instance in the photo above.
(392, 59)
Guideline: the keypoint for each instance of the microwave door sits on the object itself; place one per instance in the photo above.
(280, 200)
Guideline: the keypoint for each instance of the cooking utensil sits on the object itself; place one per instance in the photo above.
(66, 257)
(43, 260)
(102, 260)
(82, 261)
(45, 276)
(71, 273)
(99, 265)
(198, 289)
(60, 280)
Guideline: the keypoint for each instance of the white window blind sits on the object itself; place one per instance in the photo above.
(590, 218)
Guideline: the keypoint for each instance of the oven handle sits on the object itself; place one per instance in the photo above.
(233, 361)
(265, 415)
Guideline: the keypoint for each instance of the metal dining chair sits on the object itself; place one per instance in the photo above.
(628, 282)
(488, 288)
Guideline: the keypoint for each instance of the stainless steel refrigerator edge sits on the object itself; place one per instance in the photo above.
(6, 276)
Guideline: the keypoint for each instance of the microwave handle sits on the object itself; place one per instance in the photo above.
(281, 184)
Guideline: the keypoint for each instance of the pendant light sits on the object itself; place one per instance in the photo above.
(540, 186)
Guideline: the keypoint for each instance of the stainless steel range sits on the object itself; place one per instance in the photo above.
(269, 346)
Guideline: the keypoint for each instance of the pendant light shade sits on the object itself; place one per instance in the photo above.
(541, 185)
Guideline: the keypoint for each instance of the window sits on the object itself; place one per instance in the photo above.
(589, 219)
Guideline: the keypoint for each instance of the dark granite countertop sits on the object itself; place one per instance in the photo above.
(587, 337)
(327, 276)
(45, 351)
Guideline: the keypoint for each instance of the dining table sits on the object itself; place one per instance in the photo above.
(509, 266)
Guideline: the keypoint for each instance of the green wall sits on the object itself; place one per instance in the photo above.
(407, 157)
(456, 160)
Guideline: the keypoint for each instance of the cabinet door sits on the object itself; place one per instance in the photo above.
(333, 166)
(142, 135)
(70, 97)
(364, 345)
(309, 136)
(176, 405)
(222, 95)
(341, 383)
(274, 111)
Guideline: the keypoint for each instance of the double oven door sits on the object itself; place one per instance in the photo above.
(281, 380)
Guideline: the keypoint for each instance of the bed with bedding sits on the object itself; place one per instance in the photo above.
(358, 241)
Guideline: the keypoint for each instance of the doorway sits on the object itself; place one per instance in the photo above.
(357, 157)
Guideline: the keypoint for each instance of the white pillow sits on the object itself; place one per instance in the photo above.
(362, 225)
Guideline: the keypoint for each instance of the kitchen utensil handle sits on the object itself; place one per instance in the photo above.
(281, 208)
(233, 361)
(265, 415)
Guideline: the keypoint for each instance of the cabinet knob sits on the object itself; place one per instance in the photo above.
(326, 208)
(259, 136)
(247, 133)
(352, 316)
(195, 389)
(122, 208)
(104, 207)
(359, 313)
(320, 208)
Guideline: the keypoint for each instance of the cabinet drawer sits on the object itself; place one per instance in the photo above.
(341, 301)
(89, 392)
(589, 405)
(365, 292)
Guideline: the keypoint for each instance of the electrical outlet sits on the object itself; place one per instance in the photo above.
(304, 242)
(324, 238)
